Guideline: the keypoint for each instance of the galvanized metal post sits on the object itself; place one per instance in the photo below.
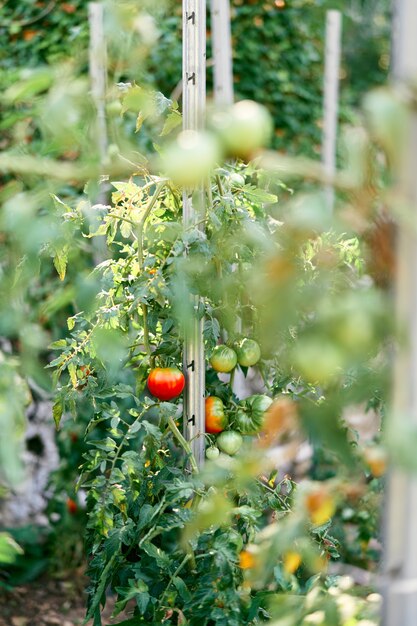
(98, 81)
(400, 563)
(98, 73)
(194, 100)
(222, 52)
(331, 97)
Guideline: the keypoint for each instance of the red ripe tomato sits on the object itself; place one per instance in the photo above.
(72, 506)
(166, 383)
(216, 420)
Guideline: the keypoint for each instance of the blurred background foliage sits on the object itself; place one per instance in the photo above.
(46, 110)
(277, 54)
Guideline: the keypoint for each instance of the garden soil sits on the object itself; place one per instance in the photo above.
(50, 602)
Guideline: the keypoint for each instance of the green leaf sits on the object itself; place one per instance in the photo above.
(23, 90)
(60, 204)
(142, 600)
(57, 345)
(104, 444)
(259, 195)
(173, 120)
(57, 411)
(9, 549)
(181, 587)
(139, 121)
(125, 229)
(100, 589)
(61, 261)
(161, 558)
(72, 371)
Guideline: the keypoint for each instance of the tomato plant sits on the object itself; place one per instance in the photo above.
(161, 530)
(143, 503)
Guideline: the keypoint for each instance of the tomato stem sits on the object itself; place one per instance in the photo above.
(219, 185)
(140, 229)
(174, 575)
(183, 443)
(141, 224)
(232, 378)
(146, 340)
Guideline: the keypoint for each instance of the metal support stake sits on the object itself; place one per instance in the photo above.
(194, 100)
(222, 52)
(98, 73)
(331, 97)
(400, 562)
(98, 81)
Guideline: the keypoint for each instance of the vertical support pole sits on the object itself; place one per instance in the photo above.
(331, 97)
(400, 562)
(194, 100)
(98, 78)
(222, 52)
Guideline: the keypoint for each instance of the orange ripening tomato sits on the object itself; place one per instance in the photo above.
(376, 460)
(216, 420)
(72, 506)
(320, 505)
(166, 383)
(247, 560)
(291, 561)
(68, 8)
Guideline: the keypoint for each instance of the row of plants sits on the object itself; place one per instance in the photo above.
(285, 291)
(232, 543)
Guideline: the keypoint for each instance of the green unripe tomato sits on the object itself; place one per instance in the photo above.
(229, 442)
(250, 414)
(113, 151)
(248, 352)
(243, 129)
(191, 157)
(319, 362)
(114, 108)
(355, 332)
(212, 453)
(236, 180)
(223, 359)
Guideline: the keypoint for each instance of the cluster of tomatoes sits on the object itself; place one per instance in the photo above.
(168, 383)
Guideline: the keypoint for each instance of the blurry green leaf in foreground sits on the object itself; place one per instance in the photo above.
(14, 397)
(9, 549)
